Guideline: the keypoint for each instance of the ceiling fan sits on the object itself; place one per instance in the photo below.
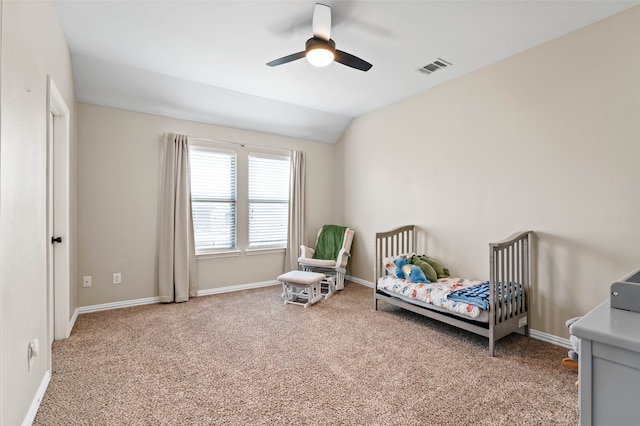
(320, 49)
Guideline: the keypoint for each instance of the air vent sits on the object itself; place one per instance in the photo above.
(434, 66)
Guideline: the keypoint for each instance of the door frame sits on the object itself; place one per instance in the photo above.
(58, 214)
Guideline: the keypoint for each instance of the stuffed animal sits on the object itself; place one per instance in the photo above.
(409, 272)
(575, 342)
(414, 274)
(574, 352)
(400, 262)
(441, 271)
(429, 273)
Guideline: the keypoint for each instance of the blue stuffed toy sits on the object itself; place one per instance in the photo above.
(414, 274)
(400, 262)
(409, 272)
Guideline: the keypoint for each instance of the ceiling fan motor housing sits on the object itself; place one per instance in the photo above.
(318, 43)
(320, 52)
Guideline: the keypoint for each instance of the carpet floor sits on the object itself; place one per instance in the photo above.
(245, 358)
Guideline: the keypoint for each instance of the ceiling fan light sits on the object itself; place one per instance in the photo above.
(320, 56)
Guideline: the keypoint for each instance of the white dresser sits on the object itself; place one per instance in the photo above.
(609, 366)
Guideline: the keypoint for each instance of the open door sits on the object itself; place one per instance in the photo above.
(58, 215)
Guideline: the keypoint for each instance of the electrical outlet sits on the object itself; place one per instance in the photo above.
(117, 278)
(33, 348)
(86, 281)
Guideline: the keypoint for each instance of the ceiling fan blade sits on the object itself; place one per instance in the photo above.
(322, 22)
(352, 61)
(286, 59)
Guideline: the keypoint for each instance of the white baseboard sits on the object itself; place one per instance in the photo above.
(72, 322)
(117, 305)
(37, 399)
(358, 281)
(153, 300)
(550, 338)
(240, 287)
(535, 334)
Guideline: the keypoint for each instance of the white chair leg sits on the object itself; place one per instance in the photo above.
(331, 286)
(340, 280)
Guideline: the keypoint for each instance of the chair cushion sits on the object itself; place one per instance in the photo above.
(317, 262)
(301, 277)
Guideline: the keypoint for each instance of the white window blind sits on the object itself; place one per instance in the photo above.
(213, 196)
(268, 200)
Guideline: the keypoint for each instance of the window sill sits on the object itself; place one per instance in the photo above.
(254, 252)
(219, 254)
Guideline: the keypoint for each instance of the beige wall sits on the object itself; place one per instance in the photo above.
(33, 46)
(119, 162)
(547, 140)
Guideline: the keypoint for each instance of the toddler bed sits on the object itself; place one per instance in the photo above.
(492, 309)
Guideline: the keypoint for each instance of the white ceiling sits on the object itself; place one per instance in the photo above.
(205, 60)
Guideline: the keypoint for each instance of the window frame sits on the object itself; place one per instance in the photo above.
(242, 153)
(266, 248)
(231, 251)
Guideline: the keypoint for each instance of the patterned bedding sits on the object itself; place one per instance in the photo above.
(435, 293)
(477, 295)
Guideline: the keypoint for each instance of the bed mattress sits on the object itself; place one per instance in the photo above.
(434, 295)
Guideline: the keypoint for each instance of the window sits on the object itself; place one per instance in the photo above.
(268, 200)
(213, 196)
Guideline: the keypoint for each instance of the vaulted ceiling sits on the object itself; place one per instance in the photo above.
(206, 60)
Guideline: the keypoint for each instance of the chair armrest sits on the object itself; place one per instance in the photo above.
(343, 258)
(306, 252)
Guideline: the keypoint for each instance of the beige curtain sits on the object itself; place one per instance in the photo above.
(176, 251)
(296, 234)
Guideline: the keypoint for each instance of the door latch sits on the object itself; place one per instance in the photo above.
(56, 240)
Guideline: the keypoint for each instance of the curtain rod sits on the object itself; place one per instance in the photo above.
(239, 143)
